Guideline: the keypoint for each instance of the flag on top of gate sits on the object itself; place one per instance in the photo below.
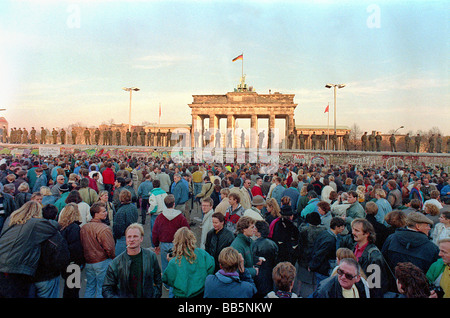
(327, 109)
(240, 57)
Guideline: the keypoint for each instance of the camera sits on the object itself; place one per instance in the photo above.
(170, 253)
(438, 290)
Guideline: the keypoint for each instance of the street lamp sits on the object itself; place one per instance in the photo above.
(130, 89)
(338, 86)
(398, 129)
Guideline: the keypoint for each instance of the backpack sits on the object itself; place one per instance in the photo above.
(55, 257)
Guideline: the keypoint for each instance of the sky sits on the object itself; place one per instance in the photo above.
(66, 62)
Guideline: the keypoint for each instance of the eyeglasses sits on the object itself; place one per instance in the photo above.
(340, 272)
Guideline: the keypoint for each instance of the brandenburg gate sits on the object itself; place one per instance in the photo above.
(242, 103)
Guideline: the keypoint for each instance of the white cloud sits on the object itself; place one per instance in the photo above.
(156, 61)
(395, 83)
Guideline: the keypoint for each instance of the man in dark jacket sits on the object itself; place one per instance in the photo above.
(362, 242)
(218, 238)
(325, 248)
(411, 244)
(135, 273)
(268, 249)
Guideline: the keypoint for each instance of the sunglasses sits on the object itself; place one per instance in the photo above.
(340, 272)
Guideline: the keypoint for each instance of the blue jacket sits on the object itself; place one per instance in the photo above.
(181, 193)
(144, 189)
(229, 285)
(293, 193)
(406, 245)
(445, 190)
(41, 181)
(277, 193)
(311, 207)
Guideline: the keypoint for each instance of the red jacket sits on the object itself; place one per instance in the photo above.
(108, 176)
(256, 190)
(166, 224)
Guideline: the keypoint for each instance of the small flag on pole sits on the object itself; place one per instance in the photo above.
(159, 118)
(240, 57)
(327, 109)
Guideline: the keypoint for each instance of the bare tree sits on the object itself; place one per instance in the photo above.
(355, 136)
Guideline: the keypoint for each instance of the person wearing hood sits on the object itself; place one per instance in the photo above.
(156, 202)
(411, 244)
(233, 280)
(166, 224)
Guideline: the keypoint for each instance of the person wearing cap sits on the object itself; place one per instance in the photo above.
(43, 136)
(33, 135)
(286, 235)
(258, 204)
(64, 193)
(411, 244)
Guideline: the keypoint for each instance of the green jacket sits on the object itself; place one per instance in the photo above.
(355, 211)
(436, 269)
(244, 245)
(61, 202)
(176, 272)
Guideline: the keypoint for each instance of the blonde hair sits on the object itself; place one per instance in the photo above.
(135, 226)
(29, 210)
(100, 193)
(342, 253)
(69, 214)
(184, 245)
(45, 191)
(304, 191)
(225, 192)
(432, 209)
(229, 259)
(360, 190)
(272, 202)
(23, 187)
(381, 193)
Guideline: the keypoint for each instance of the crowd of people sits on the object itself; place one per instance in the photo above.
(305, 231)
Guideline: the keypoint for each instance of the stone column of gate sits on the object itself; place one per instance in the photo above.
(290, 129)
(195, 127)
(202, 131)
(270, 142)
(253, 131)
(213, 126)
(230, 125)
